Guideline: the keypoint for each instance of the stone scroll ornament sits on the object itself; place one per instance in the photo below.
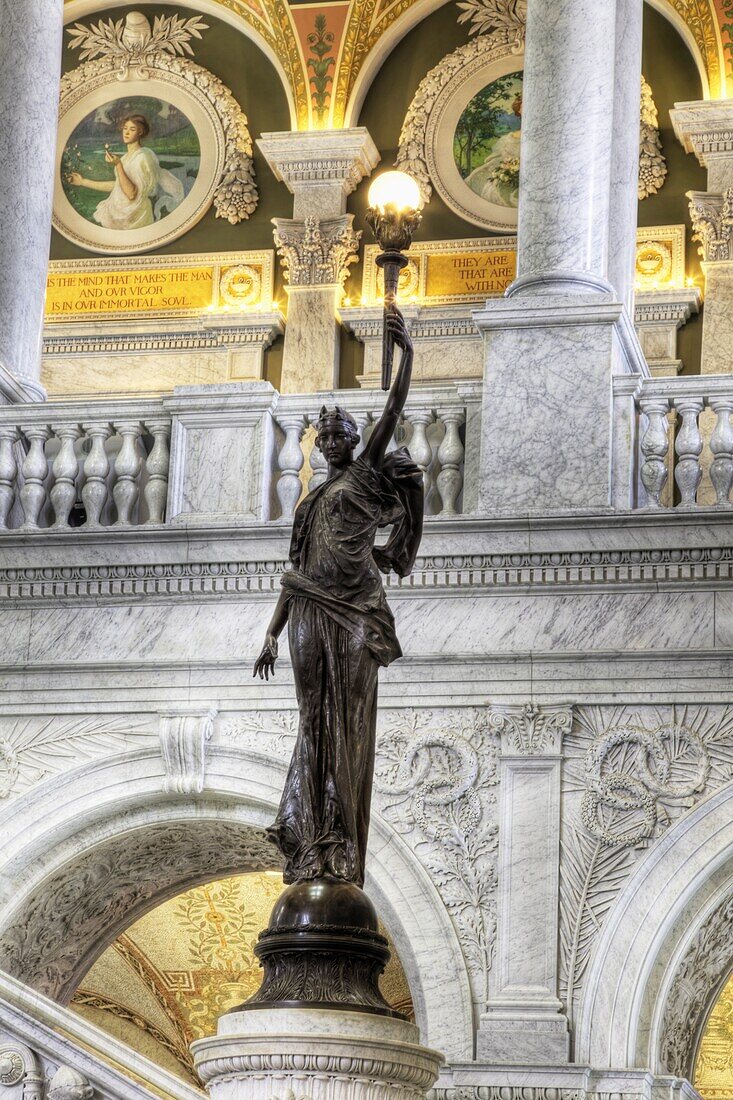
(322, 945)
(128, 66)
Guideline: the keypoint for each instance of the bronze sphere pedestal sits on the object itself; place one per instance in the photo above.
(322, 949)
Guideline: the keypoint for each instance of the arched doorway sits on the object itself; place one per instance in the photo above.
(90, 851)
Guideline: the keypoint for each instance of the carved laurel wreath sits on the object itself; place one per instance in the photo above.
(118, 47)
(499, 26)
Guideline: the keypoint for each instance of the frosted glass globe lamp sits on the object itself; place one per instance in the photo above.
(393, 216)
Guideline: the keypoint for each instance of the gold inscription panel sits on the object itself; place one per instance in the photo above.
(447, 271)
(159, 287)
(469, 275)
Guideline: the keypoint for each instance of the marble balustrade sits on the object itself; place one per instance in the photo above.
(685, 440)
(62, 468)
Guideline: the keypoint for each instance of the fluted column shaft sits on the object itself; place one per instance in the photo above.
(30, 64)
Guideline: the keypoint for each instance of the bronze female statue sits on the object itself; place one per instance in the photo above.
(340, 630)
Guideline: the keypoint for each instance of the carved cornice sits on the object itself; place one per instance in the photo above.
(261, 332)
(317, 252)
(575, 570)
(317, 156)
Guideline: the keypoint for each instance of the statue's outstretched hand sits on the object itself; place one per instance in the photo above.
(265, 663)
(398, 329)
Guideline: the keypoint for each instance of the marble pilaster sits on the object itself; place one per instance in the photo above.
(30, 66)
(625, 152)
(524, 1022)
(658, 317)
(706, 129)
(553, 344)
(321, 168)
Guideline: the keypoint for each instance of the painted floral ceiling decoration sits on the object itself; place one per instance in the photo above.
(322, 48)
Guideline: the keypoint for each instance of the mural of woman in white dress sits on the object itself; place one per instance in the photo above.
(141, 192)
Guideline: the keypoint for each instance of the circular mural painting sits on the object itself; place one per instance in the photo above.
(472, 139)
(137, 166)
(130, 163)
(486, 141)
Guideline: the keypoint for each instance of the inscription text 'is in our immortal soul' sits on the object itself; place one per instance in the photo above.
(79, 294)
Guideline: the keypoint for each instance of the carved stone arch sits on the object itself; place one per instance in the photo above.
(292, 81)
(89, 851)
(703, 41)
(354, 80)
(649, 984)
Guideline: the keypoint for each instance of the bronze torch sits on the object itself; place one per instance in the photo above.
(393, 216)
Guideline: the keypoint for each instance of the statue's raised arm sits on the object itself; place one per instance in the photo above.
(384, 429)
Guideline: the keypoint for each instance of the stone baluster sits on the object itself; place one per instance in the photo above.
(721, 445)
(290, 460)
(8, 472)
(362, 423)
(688, 446)
(420, 449)
(65, 467)
(96, 472)
(450, 456)
(35, 471)
(654, 447)
(127, 470)
(156, 466)
(319, 466)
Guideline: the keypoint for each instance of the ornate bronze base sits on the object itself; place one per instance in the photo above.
(322, 949)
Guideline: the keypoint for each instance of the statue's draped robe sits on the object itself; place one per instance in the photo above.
(340, 631)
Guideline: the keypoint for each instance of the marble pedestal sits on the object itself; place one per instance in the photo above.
(547, 422)
(318, 1054)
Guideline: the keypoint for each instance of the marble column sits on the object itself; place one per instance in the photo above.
(30, 66)
(524, 1022)
(553, 343)
(706, 129)
(625, 152)
(317, 245)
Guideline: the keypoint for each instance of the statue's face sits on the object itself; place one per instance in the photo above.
(336, 444)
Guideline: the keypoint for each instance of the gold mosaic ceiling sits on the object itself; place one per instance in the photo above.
(713, 1075)
(167, 979)
(322, 49)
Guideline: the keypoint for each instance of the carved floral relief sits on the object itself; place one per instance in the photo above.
(629, 774)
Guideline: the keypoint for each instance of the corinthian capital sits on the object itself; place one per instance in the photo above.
(712, 223)
(317, 252)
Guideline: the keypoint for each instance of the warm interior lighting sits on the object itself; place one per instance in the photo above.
(394, 189)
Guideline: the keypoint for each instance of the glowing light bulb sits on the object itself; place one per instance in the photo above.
(395, 189)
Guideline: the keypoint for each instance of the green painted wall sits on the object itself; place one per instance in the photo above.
(672, 75)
